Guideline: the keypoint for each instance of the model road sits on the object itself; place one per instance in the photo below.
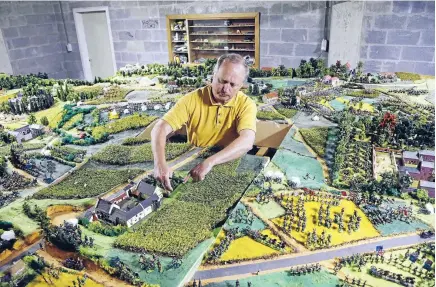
(309, 258)
(5, 265)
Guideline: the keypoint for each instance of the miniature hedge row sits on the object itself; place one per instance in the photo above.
(131, 122)
(122, 155)
(87, 182)
(269, 115)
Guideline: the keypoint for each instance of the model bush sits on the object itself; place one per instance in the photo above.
(86, 182)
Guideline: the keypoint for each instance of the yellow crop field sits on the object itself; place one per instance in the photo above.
(246, 248)
(53, 114)
(366, 230)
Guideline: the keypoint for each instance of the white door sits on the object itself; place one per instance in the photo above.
(95, 42)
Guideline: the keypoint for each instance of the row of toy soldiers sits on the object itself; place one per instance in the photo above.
(149, 264)
(321, 216)
(305, 269)
(322, 241)
(242, 216)
(333, 200)
(354, 281)
(287, 224)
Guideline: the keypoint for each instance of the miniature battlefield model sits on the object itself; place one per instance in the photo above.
(339, 189)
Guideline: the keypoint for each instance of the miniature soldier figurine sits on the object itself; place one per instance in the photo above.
(194, 284)
(237, 283)
(329, 240)
(248, 284)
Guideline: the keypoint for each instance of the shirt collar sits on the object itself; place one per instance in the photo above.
(230, 103)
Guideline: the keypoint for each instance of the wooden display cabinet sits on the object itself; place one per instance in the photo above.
(193, 38)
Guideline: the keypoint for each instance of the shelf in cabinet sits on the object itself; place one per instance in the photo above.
(243, 50)
(195, 34)
(223, 42)
(205, 26)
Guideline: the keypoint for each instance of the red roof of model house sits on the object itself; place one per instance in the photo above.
(272, 95)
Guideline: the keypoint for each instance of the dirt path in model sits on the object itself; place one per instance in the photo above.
(60, 217)
(285, 238)
(98, 276)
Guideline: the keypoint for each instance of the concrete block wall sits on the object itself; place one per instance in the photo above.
(399, 36)
(289, 31)
(395, 36)
(32, 38)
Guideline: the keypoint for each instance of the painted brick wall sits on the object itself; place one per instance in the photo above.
(396, 35)
(399, 36)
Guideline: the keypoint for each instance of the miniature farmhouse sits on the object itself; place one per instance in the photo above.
(337, 190)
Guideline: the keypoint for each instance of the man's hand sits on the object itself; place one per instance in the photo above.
(163, 173)
(199, 172)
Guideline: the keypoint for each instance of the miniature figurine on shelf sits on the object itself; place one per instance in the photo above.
(176, 59)
(238, 31)
(226, 47)
(183, 59)
(179, 26)
(227, 23)
(176, 37)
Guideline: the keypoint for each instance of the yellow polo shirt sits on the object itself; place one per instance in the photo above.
(209, 123)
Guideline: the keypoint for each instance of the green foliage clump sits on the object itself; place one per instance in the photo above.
(316, 138)
(269, 115)
(88, 92)
(73, 122)
(44, 121)
(100, 133)
(122, 155)
(108, 230)
(68, 153)
(86, 182)
(404, 76)
(34, 98)
(112, 95)
(288, 113)
(70, 111)
(135, 141)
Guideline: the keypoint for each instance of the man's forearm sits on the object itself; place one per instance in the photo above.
(236, 149)
(158, 140)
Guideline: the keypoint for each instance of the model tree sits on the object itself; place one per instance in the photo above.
(422, 195)
(51, 168)
(44, 121)
(32, 119)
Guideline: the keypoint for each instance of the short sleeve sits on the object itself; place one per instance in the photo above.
(178, 115)
(247, 116)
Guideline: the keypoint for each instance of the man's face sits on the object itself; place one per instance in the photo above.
(227, 81)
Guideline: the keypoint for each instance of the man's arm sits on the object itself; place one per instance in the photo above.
(240, 146)
(159, 134)
(246, 128)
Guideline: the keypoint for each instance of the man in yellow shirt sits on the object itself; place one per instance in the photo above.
(215, 115)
